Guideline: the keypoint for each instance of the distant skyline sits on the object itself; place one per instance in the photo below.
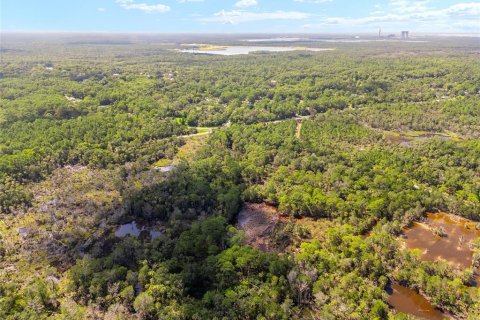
(262, 16)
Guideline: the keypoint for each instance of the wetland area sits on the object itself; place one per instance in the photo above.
(440, 236)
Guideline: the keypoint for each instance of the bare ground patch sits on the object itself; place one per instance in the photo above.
(258, 221)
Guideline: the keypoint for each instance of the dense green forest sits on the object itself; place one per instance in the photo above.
(349, 147)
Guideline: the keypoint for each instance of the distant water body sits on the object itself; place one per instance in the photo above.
(277, 40)
(236, 50)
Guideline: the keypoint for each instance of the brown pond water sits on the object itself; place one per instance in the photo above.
(408, 301)
(454, 247)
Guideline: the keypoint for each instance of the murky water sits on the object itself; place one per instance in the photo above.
(132, 229)
(408, 301)
(154, 234)
(454, 246)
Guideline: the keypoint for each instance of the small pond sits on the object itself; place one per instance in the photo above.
(134, 230)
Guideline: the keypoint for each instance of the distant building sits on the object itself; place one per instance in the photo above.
(404, 34)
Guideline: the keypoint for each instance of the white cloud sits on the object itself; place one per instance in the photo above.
(237, 16)
(415, 15)
(465, 9)
(246, 3)
(313, 1)
(101, 9)
(408, 6)
(184, 1)
(392, 16)
(147, 8)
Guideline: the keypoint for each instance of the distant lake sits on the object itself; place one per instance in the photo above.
(235, 50)
(369, 40)
(280, 39)
(340, 40)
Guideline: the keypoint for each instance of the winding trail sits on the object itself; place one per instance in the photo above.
(299, 120)
(298, 129)
(199, 134)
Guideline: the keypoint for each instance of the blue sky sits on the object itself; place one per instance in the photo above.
(240, 15)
